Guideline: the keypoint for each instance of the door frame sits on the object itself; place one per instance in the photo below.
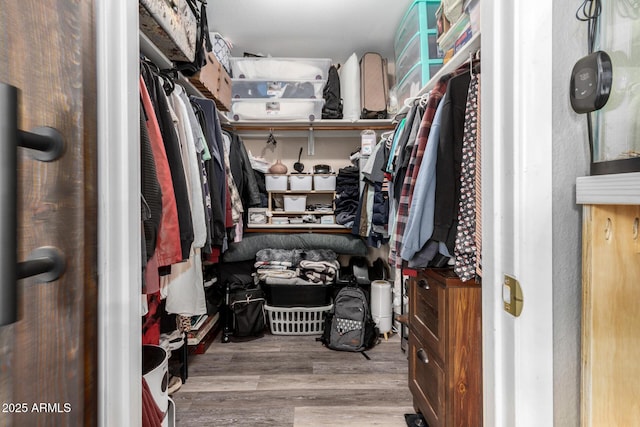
(119, 226)
(516, 114)
(517, 352)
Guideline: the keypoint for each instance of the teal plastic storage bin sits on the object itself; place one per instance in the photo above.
(420, 16)
(416, 42)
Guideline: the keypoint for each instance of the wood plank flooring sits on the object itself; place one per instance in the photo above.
(294, 381)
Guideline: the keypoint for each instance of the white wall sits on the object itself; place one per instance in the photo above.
(570, 160)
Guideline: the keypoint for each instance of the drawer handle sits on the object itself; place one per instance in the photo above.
(423, 356)
(424, 284)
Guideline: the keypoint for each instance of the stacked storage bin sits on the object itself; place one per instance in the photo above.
(417, 55)
(278, 88)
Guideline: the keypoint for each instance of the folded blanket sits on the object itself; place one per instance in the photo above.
(269, 264)
(278, 275)
(319, 271)
(294, 256)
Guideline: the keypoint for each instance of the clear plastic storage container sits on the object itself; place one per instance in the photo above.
(280, 68)
(415, 80)
(420, 17)
(283, 109)
(417, 52)
(250, 88)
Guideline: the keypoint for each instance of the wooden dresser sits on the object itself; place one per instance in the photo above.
(445, 348)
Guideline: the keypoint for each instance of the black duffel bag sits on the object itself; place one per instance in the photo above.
(248, 316)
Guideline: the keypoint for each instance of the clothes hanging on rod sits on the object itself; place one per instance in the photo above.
(195, 190)
(433, 186)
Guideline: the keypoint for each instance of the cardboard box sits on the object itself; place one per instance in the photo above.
(172, 29)
(214, 82)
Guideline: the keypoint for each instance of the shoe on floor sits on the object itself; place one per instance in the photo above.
(172, 341)
(174, 385)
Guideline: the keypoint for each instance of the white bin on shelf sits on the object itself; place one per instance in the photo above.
(280, 68)
(300, 182)
(281, 109)
(295, 203)
(275, 182)
(324, 182)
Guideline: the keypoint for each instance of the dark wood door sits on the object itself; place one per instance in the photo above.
(48, 358)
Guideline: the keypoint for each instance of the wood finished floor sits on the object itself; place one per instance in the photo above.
(294, 381)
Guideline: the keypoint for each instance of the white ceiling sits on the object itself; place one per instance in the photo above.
(297, 28)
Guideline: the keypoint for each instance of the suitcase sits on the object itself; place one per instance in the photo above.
(374, 90)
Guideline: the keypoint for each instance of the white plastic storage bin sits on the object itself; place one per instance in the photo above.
(280, 68)
(300, 182)
(275, 182)
(297, 320)
(304, 89)
(295, 203)
(283, 109)
(324, 182)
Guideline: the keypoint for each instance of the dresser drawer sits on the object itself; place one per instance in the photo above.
(427, 382)
(427, 312)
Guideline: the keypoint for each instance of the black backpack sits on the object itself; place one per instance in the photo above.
(349, 325)
(331, 93)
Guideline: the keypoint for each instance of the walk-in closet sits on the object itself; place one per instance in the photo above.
(330, 193)
(285, 213)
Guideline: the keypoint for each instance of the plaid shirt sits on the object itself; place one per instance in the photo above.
(415, 161)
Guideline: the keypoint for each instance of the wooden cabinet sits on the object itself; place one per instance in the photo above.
(445, 348)
(610, 315)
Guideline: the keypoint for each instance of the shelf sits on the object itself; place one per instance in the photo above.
(290, 227)
(319, 125)
(301, 213)
(458, 59)
(151, 51)
(614, 189)
(302, 191)
(195, 336)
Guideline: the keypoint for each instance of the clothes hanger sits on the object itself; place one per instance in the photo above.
(385, 136)
(424, 99)
(271, 139)
(409, 101)
(170, 76)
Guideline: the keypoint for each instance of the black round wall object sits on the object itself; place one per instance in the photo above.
(591, 80)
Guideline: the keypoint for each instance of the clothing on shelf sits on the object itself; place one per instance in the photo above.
(347, 195)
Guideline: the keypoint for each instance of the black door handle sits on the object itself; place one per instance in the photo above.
(45, 144)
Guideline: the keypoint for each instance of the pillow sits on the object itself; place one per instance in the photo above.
(350, 88)
(343, 244)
